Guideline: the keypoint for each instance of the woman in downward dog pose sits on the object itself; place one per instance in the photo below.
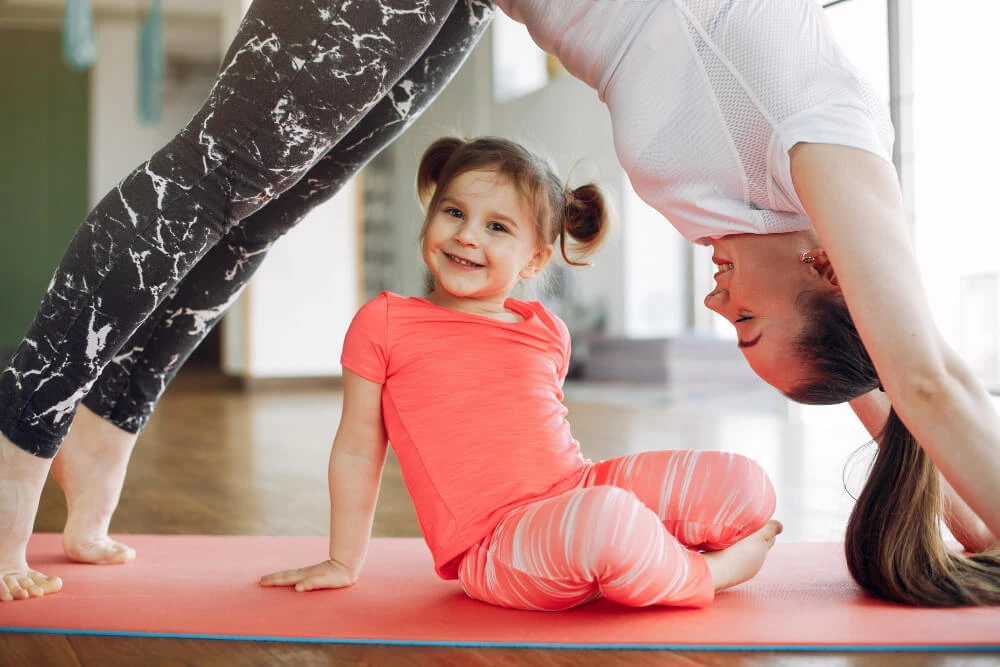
(466, 385)
(744, 124)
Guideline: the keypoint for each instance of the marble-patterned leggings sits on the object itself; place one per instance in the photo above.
(309, 91)
(631, 532)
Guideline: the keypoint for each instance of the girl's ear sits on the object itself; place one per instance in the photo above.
(819, 264)
(537, 263)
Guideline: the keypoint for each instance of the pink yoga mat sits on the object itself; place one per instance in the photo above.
(206, 586)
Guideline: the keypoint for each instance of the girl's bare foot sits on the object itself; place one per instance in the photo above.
(744, 559)
(90, 467)
(21, 478)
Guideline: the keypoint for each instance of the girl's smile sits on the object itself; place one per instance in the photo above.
(479, 241)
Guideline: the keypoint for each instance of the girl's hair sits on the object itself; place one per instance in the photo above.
(579, 213)
(894, 545)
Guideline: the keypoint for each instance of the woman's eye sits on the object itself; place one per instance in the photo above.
(743, 318)
(496, 227)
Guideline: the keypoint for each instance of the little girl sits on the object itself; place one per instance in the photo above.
(466, 384)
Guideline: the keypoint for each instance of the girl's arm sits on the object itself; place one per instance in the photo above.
(854, 202)
(355, 474)
(873, 411)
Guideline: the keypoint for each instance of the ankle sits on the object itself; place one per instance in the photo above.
(20, 467)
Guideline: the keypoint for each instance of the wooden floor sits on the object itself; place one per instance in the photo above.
(217, 461)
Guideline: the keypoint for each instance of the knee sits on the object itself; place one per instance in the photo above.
(746, 480)
(620, 527)
(749, 503)
(758, 490)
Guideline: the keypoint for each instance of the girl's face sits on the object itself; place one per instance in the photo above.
(480, 240)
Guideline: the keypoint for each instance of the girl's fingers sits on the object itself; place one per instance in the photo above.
(282, 578)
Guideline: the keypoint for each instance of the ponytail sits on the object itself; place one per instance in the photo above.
(432, 165)
(585, 219)
(893, 544)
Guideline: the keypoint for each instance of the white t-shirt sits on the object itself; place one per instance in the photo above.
(708, 96)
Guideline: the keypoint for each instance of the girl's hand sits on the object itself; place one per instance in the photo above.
(328, 574)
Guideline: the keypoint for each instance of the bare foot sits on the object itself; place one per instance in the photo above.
(744, 559)
(21, 478)
(90, 468)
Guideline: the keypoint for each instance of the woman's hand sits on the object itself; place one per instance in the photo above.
(328, 574)
(966, 527)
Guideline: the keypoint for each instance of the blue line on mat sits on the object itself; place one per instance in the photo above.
(825, 648)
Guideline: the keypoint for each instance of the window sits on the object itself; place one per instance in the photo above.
(519, 66)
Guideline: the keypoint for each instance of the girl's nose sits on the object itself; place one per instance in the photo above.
(466, 235)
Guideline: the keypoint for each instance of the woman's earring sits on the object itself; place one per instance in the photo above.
(808, 257)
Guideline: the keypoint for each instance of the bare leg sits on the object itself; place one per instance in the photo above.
(90, 468)
(21, 478)
(743, 560)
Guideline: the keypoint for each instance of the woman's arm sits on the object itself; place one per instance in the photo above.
(355, 474)
(873, 411)
(854, 202)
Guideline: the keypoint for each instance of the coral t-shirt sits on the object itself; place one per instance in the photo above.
(473, 410)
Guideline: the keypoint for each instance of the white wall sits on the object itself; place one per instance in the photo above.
(302, 299)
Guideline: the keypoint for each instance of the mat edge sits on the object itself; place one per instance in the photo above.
(806, 648)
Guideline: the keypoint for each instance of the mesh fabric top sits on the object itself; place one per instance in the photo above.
(708, 96)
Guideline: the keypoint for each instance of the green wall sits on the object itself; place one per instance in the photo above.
(44, 137)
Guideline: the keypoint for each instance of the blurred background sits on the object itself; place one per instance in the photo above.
(81, 108)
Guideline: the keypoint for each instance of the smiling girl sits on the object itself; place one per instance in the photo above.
(466, 383)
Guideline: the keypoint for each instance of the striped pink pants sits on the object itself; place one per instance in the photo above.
(631, 532)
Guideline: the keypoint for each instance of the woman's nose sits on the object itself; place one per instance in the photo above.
(715, 299)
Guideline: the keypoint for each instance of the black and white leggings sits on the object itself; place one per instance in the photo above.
(309, 91)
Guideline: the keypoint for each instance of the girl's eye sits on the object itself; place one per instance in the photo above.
(496, 227)
(453, 212)
(743, 318)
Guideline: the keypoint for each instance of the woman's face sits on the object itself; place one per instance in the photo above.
(759, 279)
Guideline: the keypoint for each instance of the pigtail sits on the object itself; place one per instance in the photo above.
(432, 165)
(893, 544)
(585, 220)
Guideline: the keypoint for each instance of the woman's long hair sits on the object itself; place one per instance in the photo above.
(894, 546)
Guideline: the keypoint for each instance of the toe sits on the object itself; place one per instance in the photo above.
(23, 586)
(45, 585)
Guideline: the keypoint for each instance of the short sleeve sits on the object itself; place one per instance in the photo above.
(366, 345)
(843, 123)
